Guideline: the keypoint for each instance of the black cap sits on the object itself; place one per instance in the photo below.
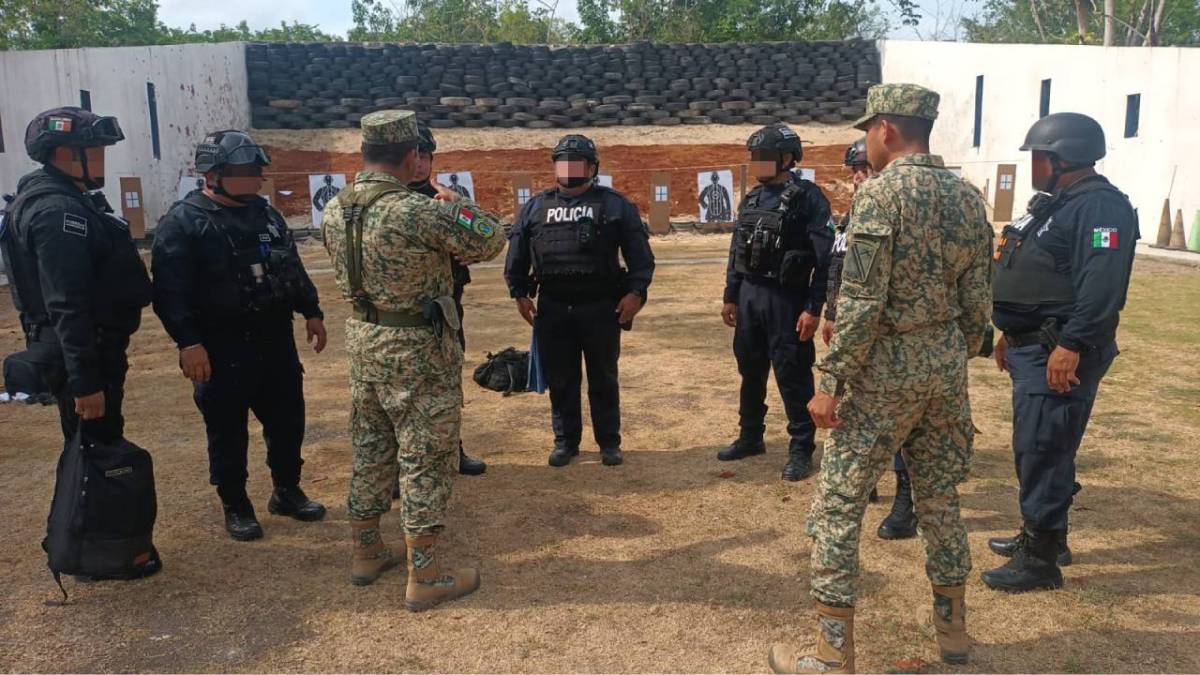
(70, 127)
(426, 143)
(576, 144)
(856, 153)
(229, 148)
(1072, 137)
(778, 138)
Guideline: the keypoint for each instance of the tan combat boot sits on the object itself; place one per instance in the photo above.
(428, 586)
(834, 651)
(371, 558)
(950, 622)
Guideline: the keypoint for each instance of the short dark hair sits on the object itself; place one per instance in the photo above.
(916, 129)
(390, 154)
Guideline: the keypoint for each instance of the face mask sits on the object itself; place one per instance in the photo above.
(242, 189)
(573, 181)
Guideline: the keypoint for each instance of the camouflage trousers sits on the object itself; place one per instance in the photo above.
(406, 418)
(939, 436)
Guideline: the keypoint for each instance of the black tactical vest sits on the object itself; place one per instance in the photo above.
(764, 238)
(568, 239)
(269, 277)
(122, 285)
(1026, 273)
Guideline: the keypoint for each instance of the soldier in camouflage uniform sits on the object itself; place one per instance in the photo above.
(391, 250)
(914, 304)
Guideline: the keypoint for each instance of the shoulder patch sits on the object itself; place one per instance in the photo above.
(861, 255)
(467, 219)
(76, 225)
(1105, 237)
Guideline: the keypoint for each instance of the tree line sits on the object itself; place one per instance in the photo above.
(59, 24)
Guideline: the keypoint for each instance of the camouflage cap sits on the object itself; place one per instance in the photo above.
(390, 126)
(908, 100)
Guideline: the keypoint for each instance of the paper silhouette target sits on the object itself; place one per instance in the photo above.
(460, 182)
(715, 190)
(323, 187)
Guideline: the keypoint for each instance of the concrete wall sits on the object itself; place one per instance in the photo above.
(199, 88)
(1090, 80)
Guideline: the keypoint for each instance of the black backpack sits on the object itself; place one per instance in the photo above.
(101, 521)
(506, 372)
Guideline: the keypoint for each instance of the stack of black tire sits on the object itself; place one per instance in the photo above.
(305, 86)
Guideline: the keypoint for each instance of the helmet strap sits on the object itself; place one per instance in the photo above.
(219, 189)
(87, 180)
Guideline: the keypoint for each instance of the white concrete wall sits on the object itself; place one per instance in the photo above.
(1090, 80)
(199, 88)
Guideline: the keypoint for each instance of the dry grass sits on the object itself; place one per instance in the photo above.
(658, 565)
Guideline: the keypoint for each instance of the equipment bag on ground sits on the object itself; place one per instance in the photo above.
(506, 372)
(101, 521)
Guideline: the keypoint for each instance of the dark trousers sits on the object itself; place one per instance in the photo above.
(1047, 430)
(259, 375)
(567, 332)
(113, 365)
(766, 338)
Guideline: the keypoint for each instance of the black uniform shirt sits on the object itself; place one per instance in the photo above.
(628, 232)
(196, 293)
(76, 269)
(1092, 238)
(815, 211)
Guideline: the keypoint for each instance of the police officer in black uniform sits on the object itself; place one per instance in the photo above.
(774, 291)
(570, 236)
(77, 280)
(462, 275)
(227, 279)
(1061, 274)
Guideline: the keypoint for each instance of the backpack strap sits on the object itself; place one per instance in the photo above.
(354, 202)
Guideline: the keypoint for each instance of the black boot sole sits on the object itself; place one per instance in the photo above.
(463, 469)
(277, 509)
(1045, 585)
(611, 460)
(559, 463)
(244, 536)
(896, 535)
(1064, 559)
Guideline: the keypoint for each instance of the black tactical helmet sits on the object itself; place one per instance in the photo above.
(229, 147)
(70, 127)
(426, 143)
(1074, 138)
(576, 144)
(856, 154)
(777, 138)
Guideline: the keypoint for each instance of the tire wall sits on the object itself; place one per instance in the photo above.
(307, 86)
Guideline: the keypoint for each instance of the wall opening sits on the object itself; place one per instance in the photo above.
(1133, 112)
(1044, 104)
(152, 102)
(85, 99)
(1, 135)
(978, 136)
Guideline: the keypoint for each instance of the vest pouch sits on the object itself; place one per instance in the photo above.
(795, 272)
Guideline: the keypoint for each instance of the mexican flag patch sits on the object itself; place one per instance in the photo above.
(466, 219)
(62, 124)
(1105, 237)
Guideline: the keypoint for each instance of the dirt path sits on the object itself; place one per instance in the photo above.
(658, 565)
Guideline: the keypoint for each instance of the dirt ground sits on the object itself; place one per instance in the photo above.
(658, 565)
(632, 167)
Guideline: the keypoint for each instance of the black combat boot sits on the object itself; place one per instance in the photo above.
(901, 523)
(240, 521)
(293, 503)
(748, 444)
(562, 455)
(611, 456)
(1006, 546)
(799, 464)
(1032, 567)
(466, 465)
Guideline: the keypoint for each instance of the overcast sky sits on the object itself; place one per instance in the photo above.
(333, 16)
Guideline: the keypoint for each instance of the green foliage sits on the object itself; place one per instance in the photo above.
(1014, 21)
(64, 24)
(456, 21)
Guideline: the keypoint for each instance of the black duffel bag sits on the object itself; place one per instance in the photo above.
(506, 372)
(101, 522)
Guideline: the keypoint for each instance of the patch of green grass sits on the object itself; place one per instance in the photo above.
(1072, 665)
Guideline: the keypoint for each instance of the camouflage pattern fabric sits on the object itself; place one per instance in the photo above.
(915, 298)
(406, 383)
(908, 100)
(389, 126)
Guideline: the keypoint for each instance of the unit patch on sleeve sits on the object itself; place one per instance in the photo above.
(1105, 237)
(466, 218)
(76, 225)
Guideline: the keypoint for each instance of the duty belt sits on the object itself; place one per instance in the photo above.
(391, 319)
(1017, 340)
